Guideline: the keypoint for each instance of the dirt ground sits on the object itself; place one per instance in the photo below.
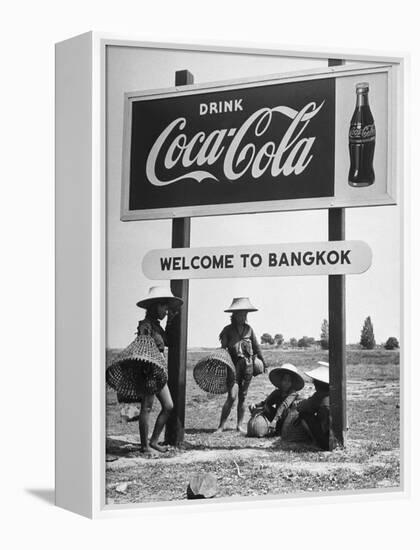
(247, 466)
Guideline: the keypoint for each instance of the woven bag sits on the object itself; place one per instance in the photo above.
(215, 373)
(257, 366)
(258, 426)
(139, 369)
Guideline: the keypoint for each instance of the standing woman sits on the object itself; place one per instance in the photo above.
(131, 377)
(240, 341)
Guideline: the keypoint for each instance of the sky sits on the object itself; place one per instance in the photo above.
(292, 306)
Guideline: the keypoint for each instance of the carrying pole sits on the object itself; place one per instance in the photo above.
(177, 355)
(337, 330)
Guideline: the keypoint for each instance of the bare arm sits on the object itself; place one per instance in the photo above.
(286, 403)
(223, 339)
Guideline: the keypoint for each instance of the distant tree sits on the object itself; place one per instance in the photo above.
(325, 335)
(392, 343)
(279, 339)
(305, 342)
(293, 342)
(367, 337)
(267, 339)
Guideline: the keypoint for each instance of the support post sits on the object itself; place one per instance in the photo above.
(337, 337)
(337, 330)
(177, 355)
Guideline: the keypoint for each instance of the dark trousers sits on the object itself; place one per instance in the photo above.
(319, 425)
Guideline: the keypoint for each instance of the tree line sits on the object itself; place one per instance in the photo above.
(367, 338)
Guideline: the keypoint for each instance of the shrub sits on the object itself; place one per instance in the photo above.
(293, 342)
(367, 337)
(278, 339)
(267, 339)
(392, 343)
(305, 342)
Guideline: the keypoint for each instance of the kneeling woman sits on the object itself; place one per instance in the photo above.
(133, 380)
(242, 344)
(276, 406)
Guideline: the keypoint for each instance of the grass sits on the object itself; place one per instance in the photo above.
(245, 466)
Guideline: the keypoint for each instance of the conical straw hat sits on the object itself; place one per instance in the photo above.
(139, 369)
(240, 304)
(215, 373)
(276, 375)
(322, 374)
(158, 294)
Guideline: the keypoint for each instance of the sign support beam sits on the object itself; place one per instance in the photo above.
(337, 330)
(177, 355)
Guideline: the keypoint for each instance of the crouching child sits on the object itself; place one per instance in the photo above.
(313, 414)
(267, 417)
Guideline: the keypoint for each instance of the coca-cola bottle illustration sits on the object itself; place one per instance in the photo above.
(362, 136)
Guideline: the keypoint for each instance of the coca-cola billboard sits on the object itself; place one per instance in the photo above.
(241, 147)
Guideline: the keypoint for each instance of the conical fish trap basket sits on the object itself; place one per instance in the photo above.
(215, 373)
(139, 369)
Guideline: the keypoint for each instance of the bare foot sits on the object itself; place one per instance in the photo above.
(241, 429)
(145, 450)
(219, 430)
(155, 445)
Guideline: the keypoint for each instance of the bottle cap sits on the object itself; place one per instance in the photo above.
(362, 87)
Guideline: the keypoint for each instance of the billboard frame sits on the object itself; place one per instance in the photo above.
(254, 207)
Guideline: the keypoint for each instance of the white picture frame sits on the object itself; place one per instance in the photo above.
(81, 250)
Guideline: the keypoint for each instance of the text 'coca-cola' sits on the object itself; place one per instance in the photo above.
(260, 143)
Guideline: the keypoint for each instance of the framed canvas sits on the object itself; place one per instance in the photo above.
(229, 274)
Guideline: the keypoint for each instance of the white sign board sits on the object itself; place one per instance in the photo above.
(268, 260)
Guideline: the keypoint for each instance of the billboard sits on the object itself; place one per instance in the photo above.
(289, 142)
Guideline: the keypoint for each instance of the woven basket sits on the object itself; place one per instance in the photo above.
(215, 373)
(138, 370)
(258, 426)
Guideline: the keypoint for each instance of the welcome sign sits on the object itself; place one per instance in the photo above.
(275, 144)
(273, 260)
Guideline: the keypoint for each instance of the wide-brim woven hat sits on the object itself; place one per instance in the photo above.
(158, 294)
(215, 373)
(139, 369)
(322, 373)
(277, 374)
(240, 304)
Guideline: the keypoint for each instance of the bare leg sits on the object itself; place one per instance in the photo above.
(227, 407)
(243, 391)
(146, 408)
(165, 400)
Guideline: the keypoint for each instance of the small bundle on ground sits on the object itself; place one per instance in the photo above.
(138, 370)
(215, 373)
(258, 426)
(202, 486)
